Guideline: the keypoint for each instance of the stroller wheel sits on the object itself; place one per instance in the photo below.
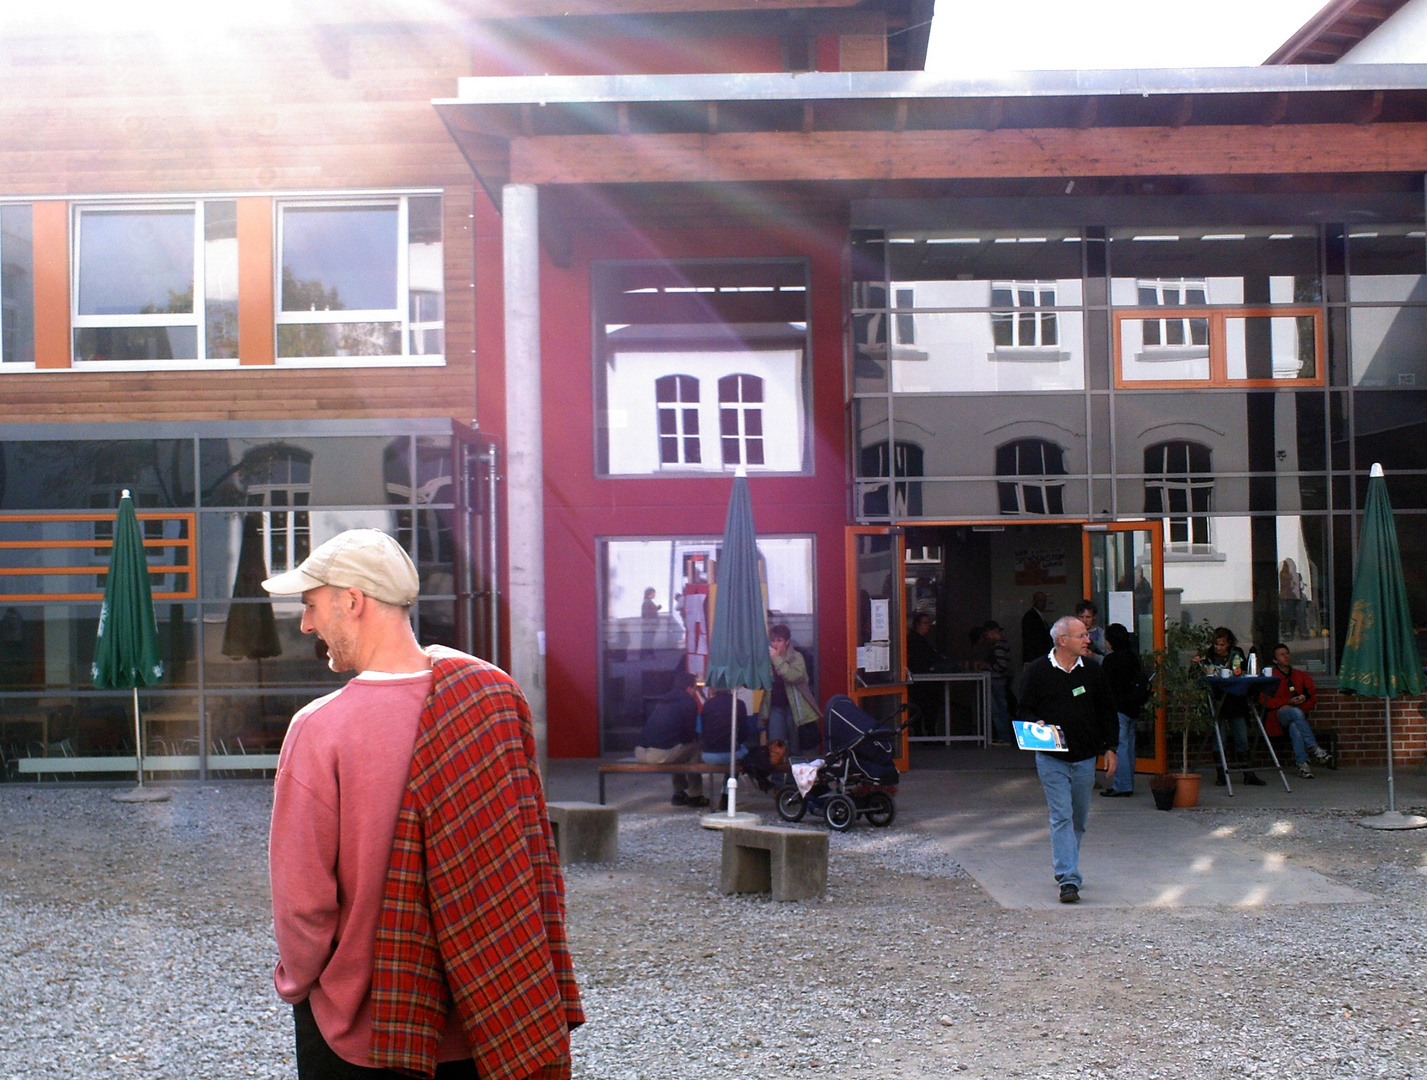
(791, 804)
(881, 810)
(841, 812)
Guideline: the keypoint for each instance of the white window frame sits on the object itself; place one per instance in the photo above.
(401, 314)
(1163, 287)
(741, 410)
(194, 318)
(1184, 483)
(680, 410)
(1042, 481)
(1043, 309)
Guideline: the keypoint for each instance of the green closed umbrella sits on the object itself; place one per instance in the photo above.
(738, 639)
(1380, 657)
(126, 651)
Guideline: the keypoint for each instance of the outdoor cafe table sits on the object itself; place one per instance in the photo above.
(1220, 688)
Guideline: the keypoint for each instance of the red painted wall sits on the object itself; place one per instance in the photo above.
(580, 509)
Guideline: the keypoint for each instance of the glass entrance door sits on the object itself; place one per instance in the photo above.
(876, 625)
(1124, 576)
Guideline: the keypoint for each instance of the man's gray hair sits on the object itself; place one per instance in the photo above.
(1061, 628)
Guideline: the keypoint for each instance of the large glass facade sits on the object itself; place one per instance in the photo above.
(221, 508)
(1234, 382)
(656, 610)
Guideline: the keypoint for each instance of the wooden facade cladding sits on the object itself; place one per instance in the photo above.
(969, 154)
(51, 240)
(254, 115)
(256, 303)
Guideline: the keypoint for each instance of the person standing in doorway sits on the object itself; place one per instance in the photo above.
(1035, 631)
(1062, 689)
(1125, 676)
(1089, 614)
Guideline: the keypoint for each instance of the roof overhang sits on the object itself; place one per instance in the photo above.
(913, 125)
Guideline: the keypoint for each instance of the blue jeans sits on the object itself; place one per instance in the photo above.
(712, 758)
(1125, 756)
(779, 726)
(1067, 785)
(1000, 713)
(1292, 720)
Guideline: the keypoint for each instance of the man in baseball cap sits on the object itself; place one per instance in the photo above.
(339, 835)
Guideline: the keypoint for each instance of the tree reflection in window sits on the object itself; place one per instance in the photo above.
(1179, 488)
(740, 419)
(678, 400)
(1034, 461)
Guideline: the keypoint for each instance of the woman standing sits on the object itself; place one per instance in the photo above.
(1126, 678)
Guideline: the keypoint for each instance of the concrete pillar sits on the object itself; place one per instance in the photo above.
(525, 482)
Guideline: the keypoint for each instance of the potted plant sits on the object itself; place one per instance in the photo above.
(1179, 693)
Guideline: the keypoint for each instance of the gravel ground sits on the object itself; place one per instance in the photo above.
(139, 945)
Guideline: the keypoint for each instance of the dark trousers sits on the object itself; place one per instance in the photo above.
(316, 1061)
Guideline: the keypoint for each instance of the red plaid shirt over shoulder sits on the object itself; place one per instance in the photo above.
(474, 909)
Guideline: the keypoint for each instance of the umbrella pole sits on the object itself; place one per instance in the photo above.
(1391, 795)
(138, 738)
(731, 788)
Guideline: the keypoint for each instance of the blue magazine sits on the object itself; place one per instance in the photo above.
(1045, 737)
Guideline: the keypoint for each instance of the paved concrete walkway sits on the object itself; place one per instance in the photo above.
(986, 809)
(1133, 855)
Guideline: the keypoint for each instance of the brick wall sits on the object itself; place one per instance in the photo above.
(1360, 724)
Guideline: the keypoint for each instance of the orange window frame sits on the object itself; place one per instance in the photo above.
(1218, 345)
(188, 544)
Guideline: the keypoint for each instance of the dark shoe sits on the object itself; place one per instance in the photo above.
(1069, 894)
(1252, 779)
(1219, 779)
(681, 798)
(1111, 793)
(696, 800)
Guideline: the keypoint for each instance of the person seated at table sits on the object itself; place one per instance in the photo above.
(715, 719)
(1288, 707)
(1224, 652)
(670, 736)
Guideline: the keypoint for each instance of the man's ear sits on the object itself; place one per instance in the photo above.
(354, 600)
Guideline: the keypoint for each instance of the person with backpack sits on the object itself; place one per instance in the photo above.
(1131, 689)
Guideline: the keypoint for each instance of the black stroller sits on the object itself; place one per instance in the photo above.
(857, 777)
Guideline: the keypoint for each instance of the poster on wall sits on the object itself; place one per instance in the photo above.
(1040, 564)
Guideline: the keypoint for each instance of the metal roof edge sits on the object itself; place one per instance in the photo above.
(871, 85)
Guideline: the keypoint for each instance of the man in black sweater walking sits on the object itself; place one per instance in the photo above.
(1062, 689)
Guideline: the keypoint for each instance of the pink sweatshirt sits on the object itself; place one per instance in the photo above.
(340, 780)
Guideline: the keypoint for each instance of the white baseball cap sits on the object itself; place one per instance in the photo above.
(365, 559)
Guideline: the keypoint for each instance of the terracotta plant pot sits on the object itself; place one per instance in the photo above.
(1186, 789)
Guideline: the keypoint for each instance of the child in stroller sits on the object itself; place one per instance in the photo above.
(856, 778)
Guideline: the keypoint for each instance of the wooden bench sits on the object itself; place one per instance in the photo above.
(632, 766)
(789, 863)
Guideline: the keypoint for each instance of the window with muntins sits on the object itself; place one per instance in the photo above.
(1179, 488)
(278, 482)
(1033, 462)
(740, 416)
(678, 398)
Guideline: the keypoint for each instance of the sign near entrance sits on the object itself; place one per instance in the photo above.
(1040, 565)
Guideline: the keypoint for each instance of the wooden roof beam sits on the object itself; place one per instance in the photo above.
(749, 157)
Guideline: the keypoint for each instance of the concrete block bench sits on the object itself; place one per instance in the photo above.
(789, 863)
(631, 766)
(584, 832)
